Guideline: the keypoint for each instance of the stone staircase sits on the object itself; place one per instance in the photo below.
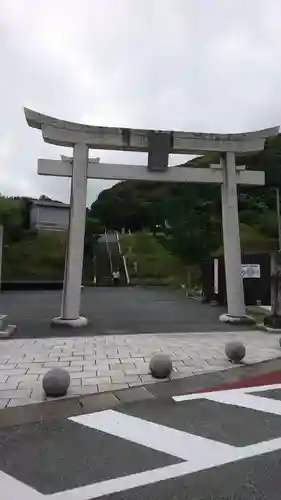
(103, 266)
(116, 257)
(109, 259)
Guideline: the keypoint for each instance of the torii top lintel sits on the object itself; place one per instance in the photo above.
(64, 133)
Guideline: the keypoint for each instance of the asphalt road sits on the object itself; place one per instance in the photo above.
(151, 450)
(113, 311)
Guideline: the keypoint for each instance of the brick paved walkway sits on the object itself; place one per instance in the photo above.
(103, 363)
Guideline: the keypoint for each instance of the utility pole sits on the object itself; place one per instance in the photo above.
(278, 217)
(273, 321)
(1, 253)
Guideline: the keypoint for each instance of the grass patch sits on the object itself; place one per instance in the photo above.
(149, 263)
(257, 313)
(40, 257)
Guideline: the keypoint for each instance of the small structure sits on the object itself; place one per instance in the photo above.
(49, 215)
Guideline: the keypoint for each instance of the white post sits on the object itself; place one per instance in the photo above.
(231, 243)
(278, 217)
(1, 253)
(70, 309)
(216, 277)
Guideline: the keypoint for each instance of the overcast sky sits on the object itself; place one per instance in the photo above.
(195, 65)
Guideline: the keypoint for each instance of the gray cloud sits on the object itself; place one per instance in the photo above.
(174, 64)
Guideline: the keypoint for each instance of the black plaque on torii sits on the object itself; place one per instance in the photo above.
(159, 146)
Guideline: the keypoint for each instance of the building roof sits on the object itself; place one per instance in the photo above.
(46, 203)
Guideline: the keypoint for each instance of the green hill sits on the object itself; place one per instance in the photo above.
(189, 215)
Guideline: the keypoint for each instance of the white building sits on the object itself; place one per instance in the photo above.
(49, 215)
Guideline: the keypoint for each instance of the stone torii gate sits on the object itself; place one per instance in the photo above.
(158, 145)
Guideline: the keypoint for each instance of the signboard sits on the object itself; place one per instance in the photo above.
(251, 270)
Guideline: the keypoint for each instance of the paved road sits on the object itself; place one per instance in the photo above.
(113, 311)
(213, 447)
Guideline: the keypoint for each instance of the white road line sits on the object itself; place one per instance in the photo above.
(257, 403)
(11, 488)
(201, 453)
(209, 395)
(240, 397)
(124, 483)
(262, 388)
(158, 437)
(200, 460)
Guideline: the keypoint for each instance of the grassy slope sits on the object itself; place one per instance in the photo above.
(38, 258)
(155, 265)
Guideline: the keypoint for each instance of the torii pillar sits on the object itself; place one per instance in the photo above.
(70, 306)
(158, 145)
(231, 240)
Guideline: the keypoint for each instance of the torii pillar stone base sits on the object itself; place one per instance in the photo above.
(237, 320)
(65, 322)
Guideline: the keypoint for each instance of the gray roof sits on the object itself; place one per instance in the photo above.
(46, 203)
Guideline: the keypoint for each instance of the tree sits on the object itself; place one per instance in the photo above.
(11, 218)
(43, 197)
(193, 230)
(193, 212)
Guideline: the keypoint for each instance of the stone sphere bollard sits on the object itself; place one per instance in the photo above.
(56, 382)
(235, 351)
(160, 365)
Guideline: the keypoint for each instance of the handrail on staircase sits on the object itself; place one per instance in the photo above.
(122, 257)
(108, 251)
